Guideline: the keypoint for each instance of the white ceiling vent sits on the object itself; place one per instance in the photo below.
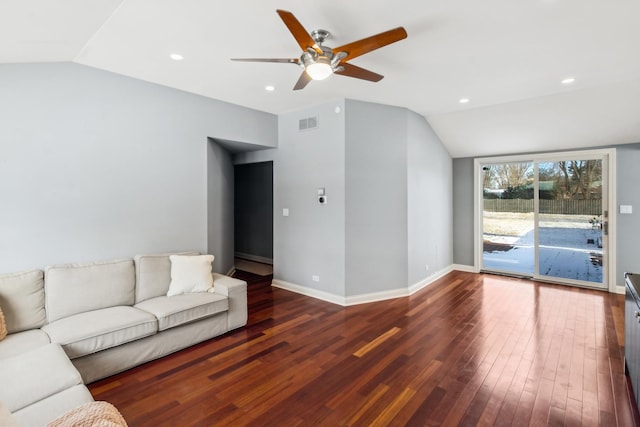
(308, 123)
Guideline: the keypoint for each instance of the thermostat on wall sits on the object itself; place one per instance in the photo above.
(322, 198)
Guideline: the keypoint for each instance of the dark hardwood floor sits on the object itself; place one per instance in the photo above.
(471, 349)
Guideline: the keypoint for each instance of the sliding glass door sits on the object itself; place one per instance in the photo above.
(570, 220)
(508, 218)
(546, 218)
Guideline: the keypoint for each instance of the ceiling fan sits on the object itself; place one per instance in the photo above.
(320, 61)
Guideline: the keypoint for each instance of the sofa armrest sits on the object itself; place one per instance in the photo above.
(236, 291)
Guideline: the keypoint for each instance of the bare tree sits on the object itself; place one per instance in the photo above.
(513, 174)
(579, 177)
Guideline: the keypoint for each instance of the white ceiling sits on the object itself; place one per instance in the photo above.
(507, 56)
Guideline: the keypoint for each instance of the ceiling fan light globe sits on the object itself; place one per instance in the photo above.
(319, 70)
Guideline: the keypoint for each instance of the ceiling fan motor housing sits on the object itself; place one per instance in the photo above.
(311, 56)
(320, 36)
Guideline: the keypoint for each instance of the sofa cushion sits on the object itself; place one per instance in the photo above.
(153, 274)
(40, 413)
(190, 274)
(22, 300)
(92, 331)
(21, 342)
(180, 309)
(77, 288)
(22, 376)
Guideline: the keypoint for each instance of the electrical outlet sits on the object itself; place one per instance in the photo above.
(427, 267)
(315, 278)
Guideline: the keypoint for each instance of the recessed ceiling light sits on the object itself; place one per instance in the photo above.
(568, 80)
(463, 100)
(269, 88)
(176, 57)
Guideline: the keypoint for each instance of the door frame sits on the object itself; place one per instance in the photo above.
(609, 154)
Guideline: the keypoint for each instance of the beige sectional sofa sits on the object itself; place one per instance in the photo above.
(76, 323)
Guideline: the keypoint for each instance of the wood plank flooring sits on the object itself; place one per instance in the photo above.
(471, 349)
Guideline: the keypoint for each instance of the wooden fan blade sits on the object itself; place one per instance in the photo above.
(302, 81)
(351, 70)
(301, 35)
(368, 44)
(283, 60)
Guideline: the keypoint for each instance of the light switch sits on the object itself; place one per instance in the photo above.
(285, 212)
(626, 209)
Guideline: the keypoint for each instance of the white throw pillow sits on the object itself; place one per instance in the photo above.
(190, 274)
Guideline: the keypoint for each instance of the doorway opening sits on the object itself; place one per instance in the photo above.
(253, 218)
(546, 217)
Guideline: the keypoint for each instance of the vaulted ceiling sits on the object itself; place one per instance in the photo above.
(507, 57)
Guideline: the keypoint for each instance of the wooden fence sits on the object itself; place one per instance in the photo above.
(560, 207)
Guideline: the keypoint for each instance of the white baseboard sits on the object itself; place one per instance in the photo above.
(255, 258)
(376, 296)
(362, 298)
(310, 292)
(383, 295)
(429, 280)
(466, 268)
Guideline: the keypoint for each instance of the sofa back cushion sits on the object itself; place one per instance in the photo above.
(22, 300)
(77, 288)
(153, 274)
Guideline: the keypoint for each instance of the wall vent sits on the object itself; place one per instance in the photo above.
(308, 123)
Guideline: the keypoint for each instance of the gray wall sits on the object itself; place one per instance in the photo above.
(628, 233)
(96, 165)
(429, 208)
(463, 211)
(399, 202)
(383, 169)
(253, 216)
(376, 197)
(220, 206)
(311, 240)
